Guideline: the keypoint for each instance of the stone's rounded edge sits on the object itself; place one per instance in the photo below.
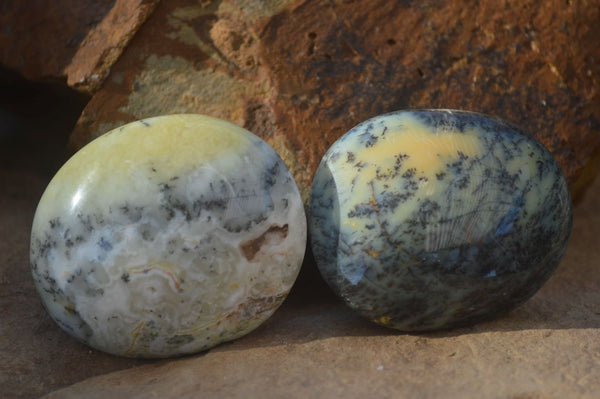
(445, 111)
(276, 221)
(156, 126)
(325, 246)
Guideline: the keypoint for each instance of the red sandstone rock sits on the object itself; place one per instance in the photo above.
(535, 65)
(74, 40)
(301, 73)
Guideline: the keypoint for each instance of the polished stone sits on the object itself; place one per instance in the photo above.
(168, 236)
(421, 220)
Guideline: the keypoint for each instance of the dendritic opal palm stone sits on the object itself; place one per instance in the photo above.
(168, 236)
(423, 220)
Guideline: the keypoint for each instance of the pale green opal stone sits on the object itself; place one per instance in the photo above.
(168, 236)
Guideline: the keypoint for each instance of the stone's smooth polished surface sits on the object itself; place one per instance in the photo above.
(422, 220)
(168, 236)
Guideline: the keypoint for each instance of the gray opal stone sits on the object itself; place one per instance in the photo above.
(430, 219)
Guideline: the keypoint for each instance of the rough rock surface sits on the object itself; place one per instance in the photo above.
(72, 40)
(301, 73)
(188, 57)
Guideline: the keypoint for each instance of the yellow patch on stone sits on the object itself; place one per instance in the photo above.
(372, 253)
(155, 148)
(428, 152)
